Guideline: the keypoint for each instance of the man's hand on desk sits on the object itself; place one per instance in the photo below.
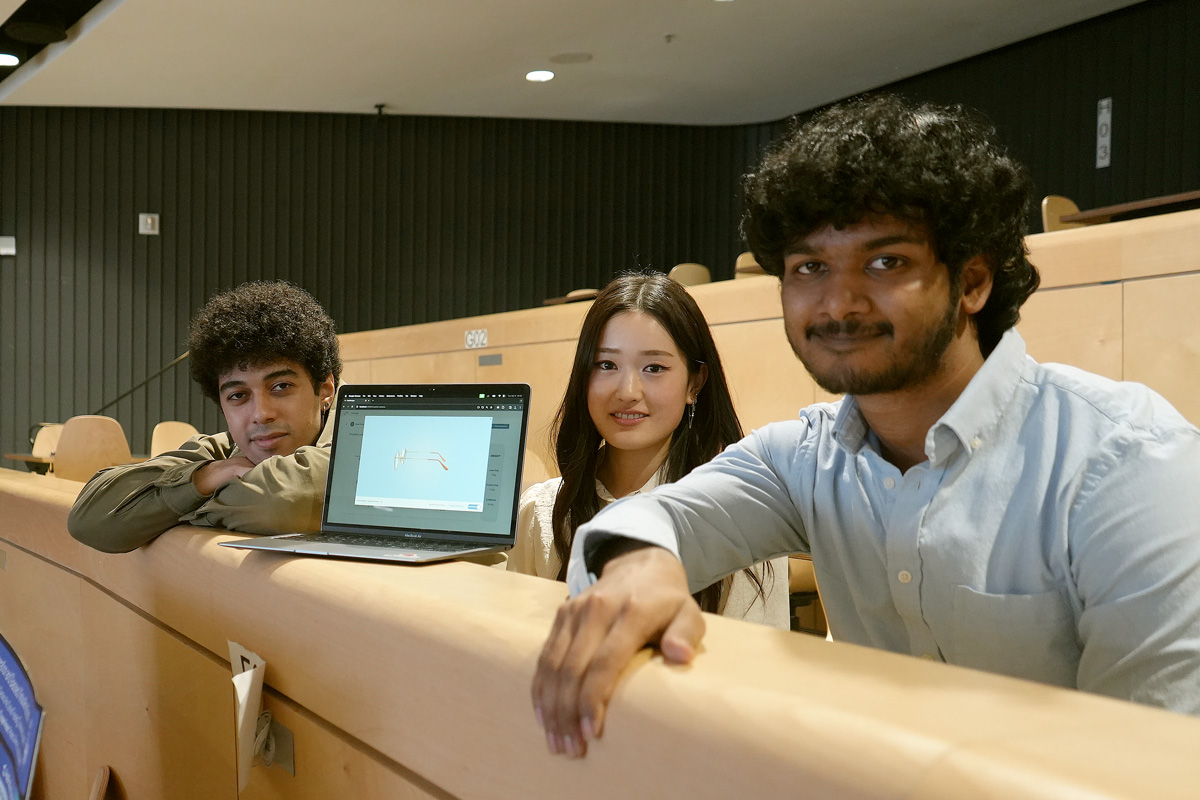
(641, 598)
(212, 475)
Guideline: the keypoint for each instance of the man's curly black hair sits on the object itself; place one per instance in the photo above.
(938, 167)
(256, 324)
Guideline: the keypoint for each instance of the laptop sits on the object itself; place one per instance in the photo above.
(418, 474)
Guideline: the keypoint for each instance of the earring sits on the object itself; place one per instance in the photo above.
(691, 413)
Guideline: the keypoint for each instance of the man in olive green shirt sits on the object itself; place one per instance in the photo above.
(268, 354)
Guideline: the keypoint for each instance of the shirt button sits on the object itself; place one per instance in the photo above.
(889, 483)
(904, 576)
(976, 442)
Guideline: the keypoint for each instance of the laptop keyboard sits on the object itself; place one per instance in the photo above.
(385, 541)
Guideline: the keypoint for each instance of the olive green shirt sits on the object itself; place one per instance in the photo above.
(123, 508)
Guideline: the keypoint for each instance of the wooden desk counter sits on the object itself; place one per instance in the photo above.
(29, 458)
(1106, 213)
(1138, 248)
(414, 682)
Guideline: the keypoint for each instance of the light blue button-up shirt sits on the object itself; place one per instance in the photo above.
(1053, 533)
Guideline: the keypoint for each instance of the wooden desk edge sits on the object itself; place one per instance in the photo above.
(1106, 213)
(29, 458)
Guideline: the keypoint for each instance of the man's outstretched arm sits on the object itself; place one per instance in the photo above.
(641, 598)
(726, 515)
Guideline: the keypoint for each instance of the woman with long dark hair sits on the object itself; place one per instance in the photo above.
(646, 403)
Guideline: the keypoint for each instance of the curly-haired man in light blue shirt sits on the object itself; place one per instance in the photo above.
(962, 503)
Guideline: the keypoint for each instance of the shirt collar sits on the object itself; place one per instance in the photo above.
(972, 418)
(604, 494)
(849, 427)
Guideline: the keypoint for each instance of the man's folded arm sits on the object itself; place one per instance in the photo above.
(122, 508)
(283, 494)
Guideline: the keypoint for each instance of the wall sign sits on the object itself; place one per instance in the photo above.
(1104, 133)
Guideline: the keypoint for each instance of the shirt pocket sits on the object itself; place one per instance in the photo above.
(1029, 636)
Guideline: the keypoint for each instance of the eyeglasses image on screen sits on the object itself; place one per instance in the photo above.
(403, 456)
(418, 474)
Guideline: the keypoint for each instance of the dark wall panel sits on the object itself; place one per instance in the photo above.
(387, 221)
(1042, 95)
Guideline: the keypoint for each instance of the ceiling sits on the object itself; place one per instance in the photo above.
(662, 61)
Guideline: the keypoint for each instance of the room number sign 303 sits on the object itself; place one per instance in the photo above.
(476, 338)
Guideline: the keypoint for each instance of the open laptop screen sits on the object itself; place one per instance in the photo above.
(439, 459)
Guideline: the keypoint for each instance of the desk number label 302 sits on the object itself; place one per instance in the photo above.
(476, 338)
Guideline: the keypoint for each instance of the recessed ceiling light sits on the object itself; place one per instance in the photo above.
(539, 75)
(8, 60)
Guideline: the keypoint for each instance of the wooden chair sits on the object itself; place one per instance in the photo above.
(804, 599)
(87, 444)
(747, 266)
(801, 576)
(690, 274)
(1055, 206)
(169, 434)
(46, 439)
(100, 785)
(45, 442)
(573, 296)
(577, 295)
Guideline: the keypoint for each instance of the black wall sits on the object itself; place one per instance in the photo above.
(1042, 95)
(403, 220)
(387, 221)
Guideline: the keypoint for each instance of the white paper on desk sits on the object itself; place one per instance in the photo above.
(248, 670)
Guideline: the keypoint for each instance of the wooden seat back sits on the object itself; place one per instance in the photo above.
(169, 434)
(45, 441)
(747, 266)
(1054, 206)
(87, 444)
(690, 274)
